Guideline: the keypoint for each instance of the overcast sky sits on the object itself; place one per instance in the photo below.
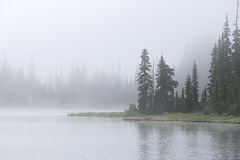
(102, 34)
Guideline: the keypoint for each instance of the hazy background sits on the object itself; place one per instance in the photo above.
(75, 51)
(106, 33)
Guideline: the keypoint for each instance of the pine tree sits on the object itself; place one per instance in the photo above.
(164, 87)
(216, 101)
(195, 85)
(204, 99)
(189, 94)
(224, 67)
(145, 83)
(182, 102)
(213, 69)
(236, 48)
(236, 94)
(152, 93)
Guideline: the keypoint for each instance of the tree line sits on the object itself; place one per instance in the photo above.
(18, 88)
(157, 92)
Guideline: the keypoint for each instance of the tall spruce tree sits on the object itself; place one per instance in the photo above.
(189, 95)
(236, 48)
(164, 87)
(182, 102)
(145, 83)
(195, 84)
(224, 67)
(177, 103)
(236, 94)
(204, 99)
(216, 100)
(213, 68)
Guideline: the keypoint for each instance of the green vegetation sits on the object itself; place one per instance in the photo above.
(99, 114)
(222, 96)
(164, 95)
(183, 117)
(186, 117)
(219, 101)
(145, 84)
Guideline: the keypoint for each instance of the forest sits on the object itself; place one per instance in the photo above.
(153, 88)
(157, 92)
(19, 88)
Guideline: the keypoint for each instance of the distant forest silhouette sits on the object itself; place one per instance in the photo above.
(19, 88)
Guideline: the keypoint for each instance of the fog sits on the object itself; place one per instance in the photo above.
(197, 50)
(56, 41)
(103, 33)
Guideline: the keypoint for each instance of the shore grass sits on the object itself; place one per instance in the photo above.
(99, 114)
(183, 117)
(186, 117)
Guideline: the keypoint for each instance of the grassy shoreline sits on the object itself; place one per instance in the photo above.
(182, 117)
(98, 114)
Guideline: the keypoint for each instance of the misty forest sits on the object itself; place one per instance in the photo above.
(220, 95)
(154, 86)
(25, 89)
(114, 80)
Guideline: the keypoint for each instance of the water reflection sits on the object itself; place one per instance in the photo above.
(225, 139)
(74, 138)
(175, 140)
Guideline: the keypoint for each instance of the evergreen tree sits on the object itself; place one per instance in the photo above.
(216, 101)
(213, 69)
(189, 95)
(145, 83)
(183, 94)
(152, 93)
(236, 48)
(177, 103)
(195, 85)
(164, 87)
(224, 67)
(182, 104)
(204, 99)
(236, 94)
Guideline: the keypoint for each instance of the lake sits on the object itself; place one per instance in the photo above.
(58, 137)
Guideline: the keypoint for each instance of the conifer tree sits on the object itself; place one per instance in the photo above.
(182, 104)
(195, 85)
(213, 69)
(236, 48)
(216, 101)
(236, 94)
(204, 98)
(183, 94)
(152, 93)
(189, 94)
(224, 68)
(145, 83)
(164, 87)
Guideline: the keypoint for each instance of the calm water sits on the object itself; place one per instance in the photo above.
(58, 137)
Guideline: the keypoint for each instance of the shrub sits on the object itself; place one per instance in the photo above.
(132, 110)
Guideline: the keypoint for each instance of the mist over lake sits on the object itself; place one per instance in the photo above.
(129, 79)
(49, 136)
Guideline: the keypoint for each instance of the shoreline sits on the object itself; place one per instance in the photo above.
(98, 114)
(177, 117)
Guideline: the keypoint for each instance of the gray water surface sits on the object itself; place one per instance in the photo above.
(58, 137)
